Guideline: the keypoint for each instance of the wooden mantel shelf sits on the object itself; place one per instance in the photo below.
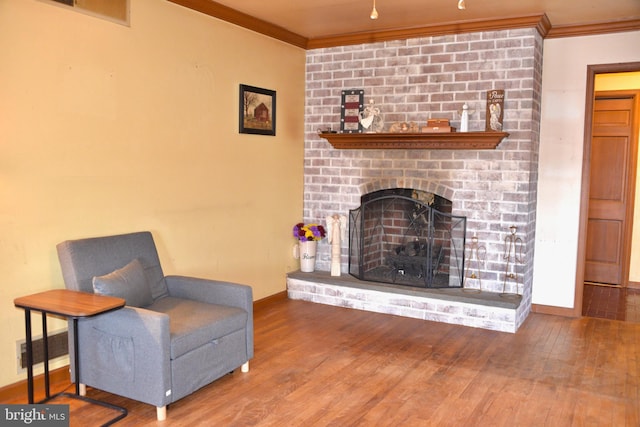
(416, 141)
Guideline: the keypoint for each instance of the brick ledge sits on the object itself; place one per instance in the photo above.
(484, 310)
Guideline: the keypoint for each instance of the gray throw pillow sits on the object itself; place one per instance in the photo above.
(128, 282)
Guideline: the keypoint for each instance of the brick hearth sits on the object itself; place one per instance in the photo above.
(486, 310)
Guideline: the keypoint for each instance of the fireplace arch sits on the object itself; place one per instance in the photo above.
(419, 184)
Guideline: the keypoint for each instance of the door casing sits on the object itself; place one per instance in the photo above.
(592, 71)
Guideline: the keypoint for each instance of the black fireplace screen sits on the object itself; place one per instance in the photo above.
(407, 237)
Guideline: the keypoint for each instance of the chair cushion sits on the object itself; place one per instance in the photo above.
(194, 323)
(128, 282)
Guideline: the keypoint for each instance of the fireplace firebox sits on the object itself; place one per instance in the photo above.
(407, 237)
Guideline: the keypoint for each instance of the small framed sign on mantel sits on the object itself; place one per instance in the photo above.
(352, 103)
(495, 110)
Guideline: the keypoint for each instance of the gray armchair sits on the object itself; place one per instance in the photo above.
(175, 335)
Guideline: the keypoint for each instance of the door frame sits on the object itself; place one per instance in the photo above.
(592, 70)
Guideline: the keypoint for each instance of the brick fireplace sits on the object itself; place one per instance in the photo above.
(432, 77)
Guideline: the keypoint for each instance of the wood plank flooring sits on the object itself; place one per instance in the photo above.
(611, 302)
(317, 365)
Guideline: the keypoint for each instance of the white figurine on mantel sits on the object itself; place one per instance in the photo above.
(371, 118)
(336, 232)
(464, 118)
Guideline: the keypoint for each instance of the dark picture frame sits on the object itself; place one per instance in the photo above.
(257, 110)
(352, 104)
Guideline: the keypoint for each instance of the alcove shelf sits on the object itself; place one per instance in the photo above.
(416, 141)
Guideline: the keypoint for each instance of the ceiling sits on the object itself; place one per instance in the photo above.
(331, 19)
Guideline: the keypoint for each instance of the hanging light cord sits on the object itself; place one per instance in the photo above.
(374, 12)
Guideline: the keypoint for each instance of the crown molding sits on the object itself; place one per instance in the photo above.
(249, 22)
(540, 22)
(593, 29)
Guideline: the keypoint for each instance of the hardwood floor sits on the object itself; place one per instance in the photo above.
(317, 365)
(611, 302)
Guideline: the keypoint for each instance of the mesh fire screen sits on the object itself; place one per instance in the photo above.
(407, 237)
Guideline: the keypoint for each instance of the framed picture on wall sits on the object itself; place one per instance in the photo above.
(257, 110)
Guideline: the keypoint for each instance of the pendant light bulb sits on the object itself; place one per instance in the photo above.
(374, 12)
(461, 5)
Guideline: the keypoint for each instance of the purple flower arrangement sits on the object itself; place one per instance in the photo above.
(304, 232)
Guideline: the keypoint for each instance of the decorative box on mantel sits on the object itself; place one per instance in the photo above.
(416, 141)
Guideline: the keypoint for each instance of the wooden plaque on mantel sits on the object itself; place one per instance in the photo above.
(495, 110)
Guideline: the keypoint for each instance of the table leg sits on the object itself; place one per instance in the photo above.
(76, 354)
(29, 343)
(45, 344)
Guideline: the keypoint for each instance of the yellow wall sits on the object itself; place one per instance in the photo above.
(627, 81)
(106, 129)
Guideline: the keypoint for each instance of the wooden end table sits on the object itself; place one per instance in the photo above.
(72, 305)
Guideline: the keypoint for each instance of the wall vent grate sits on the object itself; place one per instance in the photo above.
(58, 346)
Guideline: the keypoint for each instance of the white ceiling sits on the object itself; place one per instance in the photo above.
(324, 18)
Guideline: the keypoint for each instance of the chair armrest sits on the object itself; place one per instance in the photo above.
(127, 352)
(216, 292)
(211, 291)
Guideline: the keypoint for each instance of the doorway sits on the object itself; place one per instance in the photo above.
(611, 187)
(609, 176)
